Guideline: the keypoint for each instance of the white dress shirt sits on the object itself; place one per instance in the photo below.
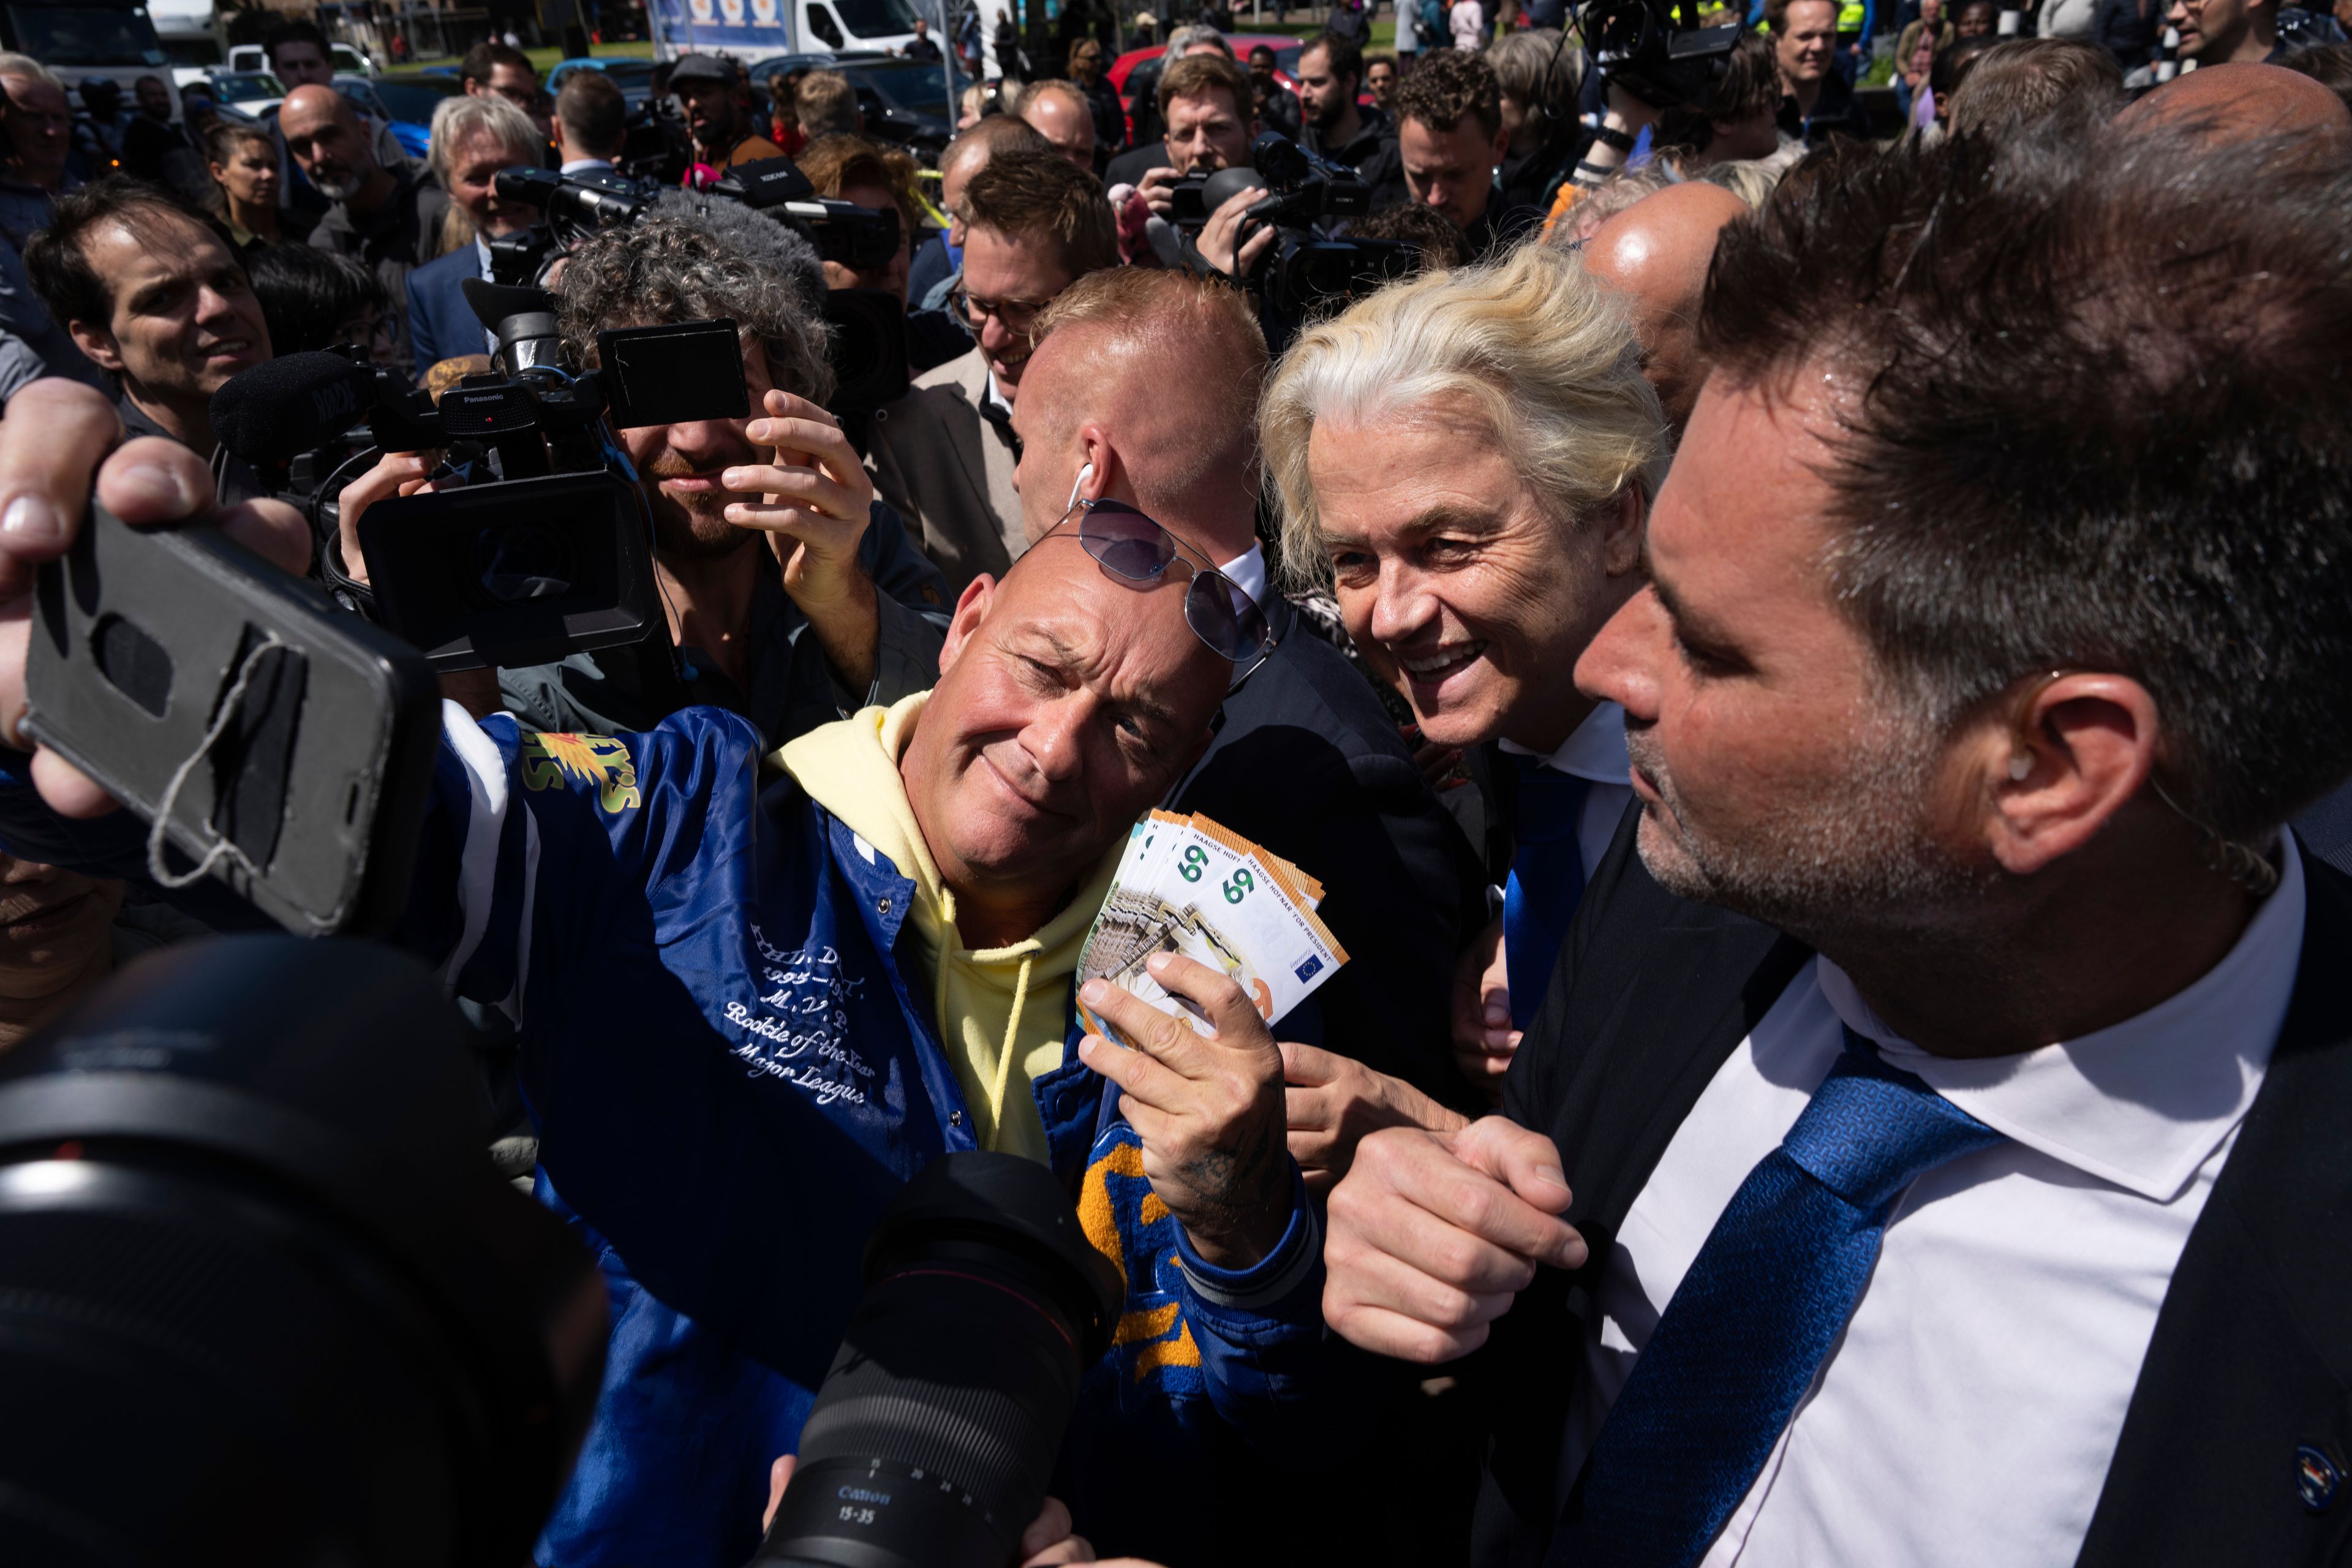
(1594, 750)
(1969, 1412)
(586, 166)
(1247, 572)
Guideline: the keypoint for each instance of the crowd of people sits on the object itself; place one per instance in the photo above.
(1809, 671)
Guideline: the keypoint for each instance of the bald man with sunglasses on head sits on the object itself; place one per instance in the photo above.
(1141, 397)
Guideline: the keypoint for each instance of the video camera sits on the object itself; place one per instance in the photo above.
(1657, 49)
(554, 553)
(869, 338)
(1308, 270)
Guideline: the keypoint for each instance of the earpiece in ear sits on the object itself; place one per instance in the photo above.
(1085, 472)
(2021, 762)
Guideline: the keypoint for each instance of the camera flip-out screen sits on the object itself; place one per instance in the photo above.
(673, 374)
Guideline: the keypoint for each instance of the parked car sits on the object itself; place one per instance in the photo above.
(408, 104)
(255, 92)
(904, 101)
(413, 136)
(1138, 70)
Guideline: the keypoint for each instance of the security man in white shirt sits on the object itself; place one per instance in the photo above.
(1951, 1062)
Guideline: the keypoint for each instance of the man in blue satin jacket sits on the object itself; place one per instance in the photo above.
(750, 1006)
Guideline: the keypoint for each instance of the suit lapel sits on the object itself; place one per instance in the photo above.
(2243, 1407)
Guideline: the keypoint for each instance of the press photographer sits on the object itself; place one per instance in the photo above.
(790, 596)
(1212, 119)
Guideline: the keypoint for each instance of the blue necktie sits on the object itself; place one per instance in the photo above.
(1547, 879)
(1751, 1323)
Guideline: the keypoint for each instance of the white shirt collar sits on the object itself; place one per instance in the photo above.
(482, 255)
(2143, 1103)
(575, 166)
(1594, 750)
(1247, 572)
(991, 394)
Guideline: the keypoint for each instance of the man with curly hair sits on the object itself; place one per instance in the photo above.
(1450, 141)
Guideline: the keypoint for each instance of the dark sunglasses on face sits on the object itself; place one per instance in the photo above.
(1130, 545)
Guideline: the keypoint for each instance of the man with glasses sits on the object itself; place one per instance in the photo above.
(492, 69)
(944, 454)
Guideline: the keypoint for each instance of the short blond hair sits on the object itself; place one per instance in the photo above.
(1542, 351)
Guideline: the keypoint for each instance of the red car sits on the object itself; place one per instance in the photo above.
(1140, 68)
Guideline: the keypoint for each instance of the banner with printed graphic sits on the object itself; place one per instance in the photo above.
(749, 30)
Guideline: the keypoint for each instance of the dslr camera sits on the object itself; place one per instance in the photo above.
(1657, 49)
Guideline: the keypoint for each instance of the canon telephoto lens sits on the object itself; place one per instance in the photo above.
(932, 1441)
(263, 1298)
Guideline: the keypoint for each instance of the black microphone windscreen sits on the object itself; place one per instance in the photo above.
(287, 406)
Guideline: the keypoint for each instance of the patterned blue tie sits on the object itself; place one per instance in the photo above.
(1547, 879)
(1751, 1323)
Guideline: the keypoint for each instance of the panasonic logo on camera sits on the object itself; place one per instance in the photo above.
(860, 1494)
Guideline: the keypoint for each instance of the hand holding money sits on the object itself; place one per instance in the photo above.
(1207, 1107)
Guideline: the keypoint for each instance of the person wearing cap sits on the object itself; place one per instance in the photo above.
(723, 133)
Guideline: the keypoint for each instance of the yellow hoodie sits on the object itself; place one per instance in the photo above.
(1001, 1011)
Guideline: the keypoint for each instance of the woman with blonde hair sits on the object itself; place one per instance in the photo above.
(1467, 457)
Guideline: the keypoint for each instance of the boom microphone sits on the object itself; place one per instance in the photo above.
(286, 406)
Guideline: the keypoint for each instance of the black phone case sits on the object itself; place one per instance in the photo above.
(318, 776)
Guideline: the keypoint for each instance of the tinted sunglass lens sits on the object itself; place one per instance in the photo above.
(1128, 543)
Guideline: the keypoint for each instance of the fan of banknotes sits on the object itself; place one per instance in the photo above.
(1188, 885)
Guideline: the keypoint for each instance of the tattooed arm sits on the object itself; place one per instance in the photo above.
(1207, 1108)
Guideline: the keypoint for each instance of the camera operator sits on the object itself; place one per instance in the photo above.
(723, 134)
(1143, 88)
(1206, 103)
(151, 295)
(792, 597)
(853, 170)
(1330, 78)
(1450, 141)
(945, 454)
(1495, 416)
(473, 138)
(592, 123)
(387, 216)
(750, 1011)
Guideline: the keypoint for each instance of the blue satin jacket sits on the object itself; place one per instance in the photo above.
(730, 1076)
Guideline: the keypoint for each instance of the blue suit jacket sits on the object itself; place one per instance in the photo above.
(441, 325)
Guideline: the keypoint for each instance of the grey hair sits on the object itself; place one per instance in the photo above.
(1183, 38)
(682, 263)
(1542, 351)
(26, 66)
(460, 120)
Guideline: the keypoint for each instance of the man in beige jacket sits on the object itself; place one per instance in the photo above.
(944, 454)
